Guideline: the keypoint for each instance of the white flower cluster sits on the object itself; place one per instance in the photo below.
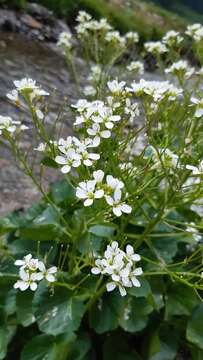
(132, 37)
(94, 78)
(26, 87)
(111, 190)
(31, 272)
(9, 125)
(158, 90)
(74, 153)
(155, 47)
(181, 68)
(136, 67)
(97, 117)
(120, 266)
(86, 25)
(195, 31)
(64, 40)
(172, 38)
(115, 38)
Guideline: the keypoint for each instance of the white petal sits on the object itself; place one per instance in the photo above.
(65, 169)
(126, 208)
(88, 202)
(99, 194)
(52, 270)
(95, 270)
(129, 250)
(87, 162)
(122, 290)
(33, 286)
(105, 134)
(110, 286)
(81, 194)
(19, 262)
(50, 277)
(117, 211)
(135, 282)
(117, 194)
(60, 160)
(138, 271)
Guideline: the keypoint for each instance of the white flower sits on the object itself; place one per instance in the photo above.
(181, 67)
(118, 206)
(98, 133)
(71, 159)
(155, 47)
(131, 109)
(83, 16)
(26, 84)
(26, 281)
(27, 261)
(65, 40)
(113, 183)
(116, 38)
(47, 274)
(95, 73)
(172, 38)
(191, 29)
(130, 255)
(6, 123)
(166, 158)
(136, 67)
(13, 96)
(196, 170)
(89, 90)
(98, 176)
(116, 87)
(132, 36)
(199, 108)
(86, 191)
(120, 267)
(81, 105)
(41, 147)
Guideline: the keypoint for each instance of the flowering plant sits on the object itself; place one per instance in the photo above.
(131, 191)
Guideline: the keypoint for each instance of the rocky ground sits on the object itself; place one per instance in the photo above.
(27, 48)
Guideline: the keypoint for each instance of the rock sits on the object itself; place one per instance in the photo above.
(31, 22)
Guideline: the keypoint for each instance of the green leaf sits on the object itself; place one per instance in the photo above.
(58, 312)
(6, 334)
(49, 162)
(46, 226)
(24, 312)
(102, 230)
(63, 192)
(104, 315)
(115, 347)
(80, 348)
(180, 300)
(46, 347)
(194, 331)
(143, 291)
(135, 314)
(163, 344)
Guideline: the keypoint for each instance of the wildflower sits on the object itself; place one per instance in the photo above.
(98, 133)
(95, 73)
(172, 38)
(71, 159)
(116, 87)
(31, 272)
(115, 37)
(98, 176)
(83, 16)
(86, 191)
(155, 47)
(199, 107)
(196, 170)
(166, 158)
(65, 40)
(118, 206)
(132, 37)
(191, 29)
(9, 125)
(89, 90)
(180, 68)
(137, 67)
(26, 281)
(13, 96)
(47, 274)
(131, 109)
(117, 265)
